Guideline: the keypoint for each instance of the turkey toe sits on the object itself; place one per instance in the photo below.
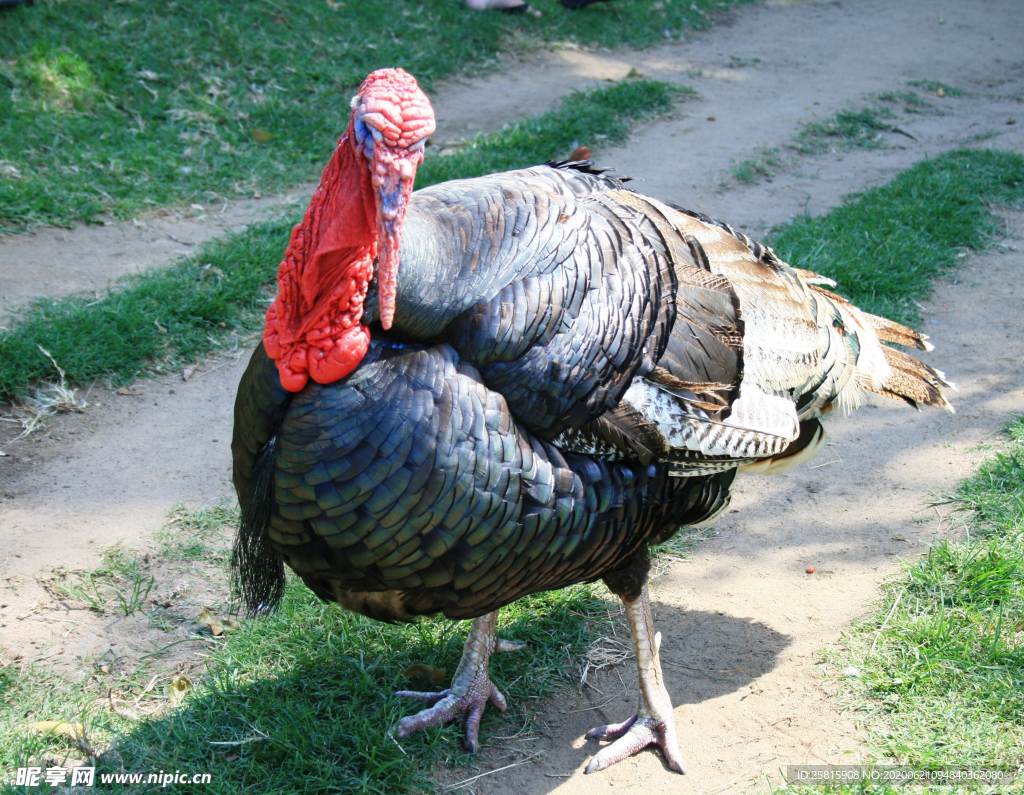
(634, 735)
(613, 731)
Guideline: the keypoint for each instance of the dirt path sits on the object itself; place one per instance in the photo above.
(742, 601)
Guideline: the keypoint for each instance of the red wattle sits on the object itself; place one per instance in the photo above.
(313, 328)
(325, 367)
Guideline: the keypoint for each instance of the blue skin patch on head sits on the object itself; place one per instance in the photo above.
(365, 135)
(388, 200)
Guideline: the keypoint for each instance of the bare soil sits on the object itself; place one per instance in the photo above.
(741, 619)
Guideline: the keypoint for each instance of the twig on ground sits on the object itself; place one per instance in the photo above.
(705, 670)
(124, 712)
(881, 629)
(463, 783)
(257, 737)
(589, 709)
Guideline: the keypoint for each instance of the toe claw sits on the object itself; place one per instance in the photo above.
(612, 731)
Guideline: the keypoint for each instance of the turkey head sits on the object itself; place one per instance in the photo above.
(313, 327)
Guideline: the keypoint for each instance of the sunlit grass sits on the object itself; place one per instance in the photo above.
(885, 246)
(940, 662)
(119, 107)
(306, 693)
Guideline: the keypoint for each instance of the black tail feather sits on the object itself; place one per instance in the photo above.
(257, 570)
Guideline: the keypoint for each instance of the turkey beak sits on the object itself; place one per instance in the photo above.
(394, 171)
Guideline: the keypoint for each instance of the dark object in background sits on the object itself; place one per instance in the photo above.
(12, 3)
(580, 3)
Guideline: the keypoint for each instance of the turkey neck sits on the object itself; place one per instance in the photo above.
(434, 286)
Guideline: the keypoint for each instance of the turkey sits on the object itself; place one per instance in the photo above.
(505, 385)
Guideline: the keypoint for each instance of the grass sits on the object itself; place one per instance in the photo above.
(596, 118)
(911, 101)
(117, 107)
(847, 129)
(174, 315)
(885, 246)
(765, 164)
(190, 534)
(934, 86)
(863, 128)
(940, 662)
(118, 586)
(309, 690)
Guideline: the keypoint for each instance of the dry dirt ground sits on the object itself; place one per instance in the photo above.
(741, 620)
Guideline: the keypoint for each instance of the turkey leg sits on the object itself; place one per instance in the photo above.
(471, 686)
(653, 722)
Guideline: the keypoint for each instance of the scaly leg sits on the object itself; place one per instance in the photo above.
(471, 686)
(653, 722)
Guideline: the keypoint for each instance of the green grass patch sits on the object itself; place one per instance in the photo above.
(885, 246)
(933, 87)
(170, 316)
(911, 101)
(192, 534)
(117, 587)
(307, 694)
(940, 663)
(848, 129)
(766, 163)
(116, 107)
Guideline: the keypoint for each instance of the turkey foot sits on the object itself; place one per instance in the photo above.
(654, 722)
(471, 688)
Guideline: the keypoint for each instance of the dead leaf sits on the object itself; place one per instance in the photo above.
(435, 675)
(188, 371)
(206, 617)
(58, 728)
(179, 686)
(940, 92)
(229, 624)
(261, 136)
